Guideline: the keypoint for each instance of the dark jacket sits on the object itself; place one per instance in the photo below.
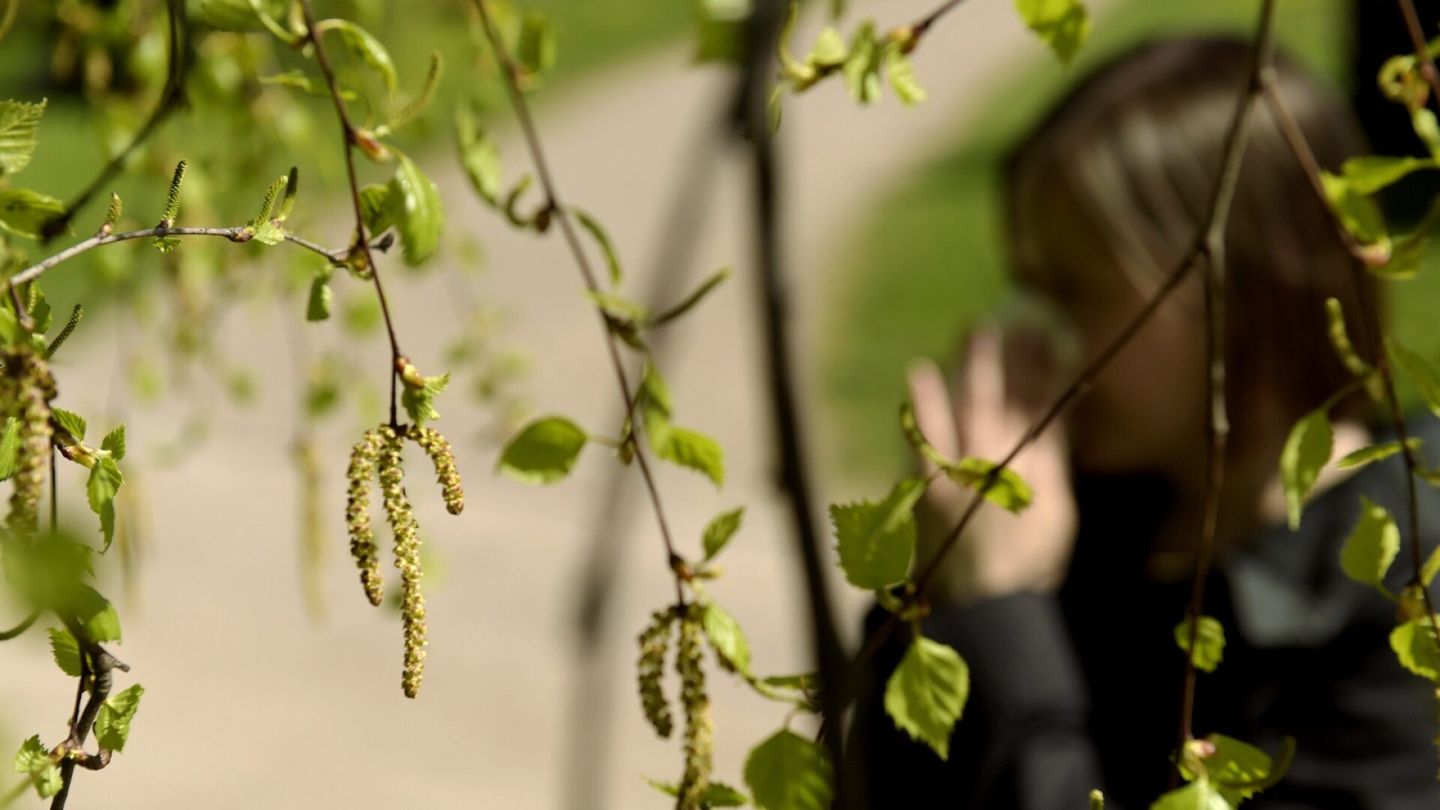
(1081, 690)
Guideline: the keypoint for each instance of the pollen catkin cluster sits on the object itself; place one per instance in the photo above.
(438, 449)
(363, 458)
(699, 725)
(407, 558)
(34, 388)
(654, 645)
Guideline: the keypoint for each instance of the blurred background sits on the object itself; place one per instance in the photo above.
(270, 682)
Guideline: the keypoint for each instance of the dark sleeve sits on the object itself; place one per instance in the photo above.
(1022, 741)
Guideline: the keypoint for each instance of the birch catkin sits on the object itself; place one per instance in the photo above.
(34, 388)
(654, 644)
(407, 559)
(361, 472)
(699, 742)
(438, 449)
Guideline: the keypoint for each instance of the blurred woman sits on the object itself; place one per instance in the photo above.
(1065, 613)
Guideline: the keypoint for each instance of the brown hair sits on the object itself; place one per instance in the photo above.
(1123, 168)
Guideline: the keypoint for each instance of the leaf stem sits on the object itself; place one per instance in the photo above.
(25, 624)
(561, 214)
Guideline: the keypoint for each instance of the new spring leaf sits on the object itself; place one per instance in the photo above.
(788, 772)
(544, 451)
(927, 693)
(876, 540)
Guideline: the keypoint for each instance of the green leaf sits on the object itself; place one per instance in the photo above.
(98, 615)
(1371, 546)
(33, 760)
(720, 530)
(25, 212)
(788, 772)
(19, 122)
(902, 77)
(829, 50)
(236, 15)
(1198, 795)
(618, 306)
(1431, 567)
(716, 794)
(1009, 491)
(1372, 173)
(1427, 128)
(694, 298)
(876, 541)
(73, 423)
(419, 401)
(375, 208)
(1340, 339)
(602, 241)
(9, 447)
(114, 443)
(317, 306)
(727, 638)
(1419, 371)
(1375, 452)
(66, 651)
(1209, 642)
(1414, 643)
(862, 68)
(1240, 770)
(1064, 25)
(805, 681)
(105, 480)
(544, 452)
(535, 48)
(417, 211)
(927, 692)
(107, 524)
(1357, 213)
(112, 725)
(365, 46)
(1306, 452)
(480, 157)
(687, 448)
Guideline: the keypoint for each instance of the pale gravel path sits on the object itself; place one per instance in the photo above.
(248, 705)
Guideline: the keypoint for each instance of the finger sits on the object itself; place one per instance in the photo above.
(982, 412)
(1030, 369)
(933, 412)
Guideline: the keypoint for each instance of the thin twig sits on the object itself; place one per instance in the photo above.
(1218, 423)
(1422, 50)
(1369, 334)
(96, 665)
(561, 214)
(348, 134)
(920, 26)
(171, 98)
(752, 123)
(587, 756)
(234, 234)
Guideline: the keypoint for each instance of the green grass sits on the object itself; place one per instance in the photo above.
(931, 261)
